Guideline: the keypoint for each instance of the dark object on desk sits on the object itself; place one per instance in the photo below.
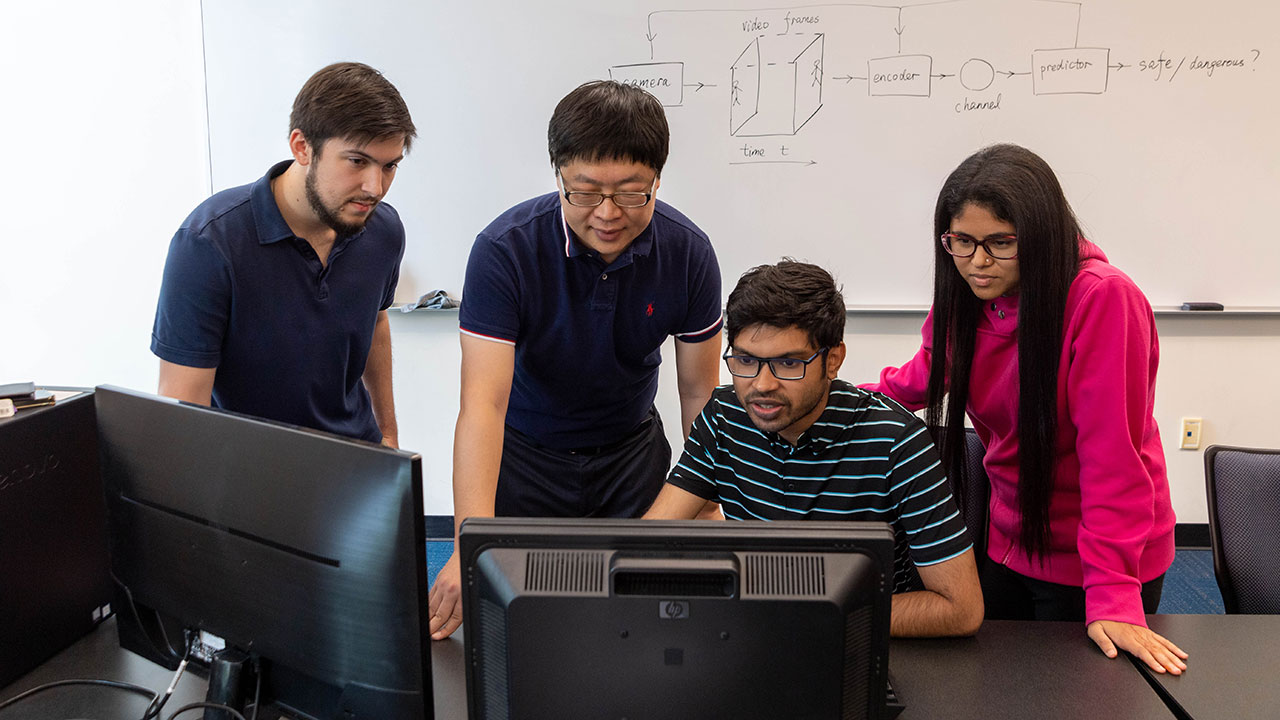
(665, 619)
(19, 389)
(54, 572)
(1243, 485)
(39, 398)
(1201, 306)
(301, 547)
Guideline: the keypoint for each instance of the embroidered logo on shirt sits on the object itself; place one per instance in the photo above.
(649, 310)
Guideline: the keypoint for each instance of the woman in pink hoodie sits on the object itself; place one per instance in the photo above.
(1052, 354)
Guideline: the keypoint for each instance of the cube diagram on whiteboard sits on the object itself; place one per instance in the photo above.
(776, 85)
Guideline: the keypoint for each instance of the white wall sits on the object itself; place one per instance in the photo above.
(107, 149)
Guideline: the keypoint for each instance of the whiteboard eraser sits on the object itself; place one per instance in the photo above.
(1201, 306)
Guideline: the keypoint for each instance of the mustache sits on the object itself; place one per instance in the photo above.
(769, 397)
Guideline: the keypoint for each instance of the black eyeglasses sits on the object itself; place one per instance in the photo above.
(1000, 247)
(783, 368)
(621, 199)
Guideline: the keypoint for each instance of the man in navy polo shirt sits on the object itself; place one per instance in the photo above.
(567, 302)
(274, 295)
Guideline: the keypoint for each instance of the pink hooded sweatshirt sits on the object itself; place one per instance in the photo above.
(1110, 518)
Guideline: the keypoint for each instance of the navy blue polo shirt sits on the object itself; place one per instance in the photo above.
(289, 336)
(587, 335)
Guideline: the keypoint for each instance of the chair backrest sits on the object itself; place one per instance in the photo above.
(977, 495)
(973, 497)
(1244, 525)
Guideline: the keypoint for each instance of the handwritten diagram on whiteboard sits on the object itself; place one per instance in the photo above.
(779, 64)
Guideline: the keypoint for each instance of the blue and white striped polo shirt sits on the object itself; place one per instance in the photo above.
(865, 458)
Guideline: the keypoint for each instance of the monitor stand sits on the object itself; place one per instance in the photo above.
(228, 670)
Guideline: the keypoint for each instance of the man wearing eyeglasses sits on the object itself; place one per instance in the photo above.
(568, 300)
(790, 441)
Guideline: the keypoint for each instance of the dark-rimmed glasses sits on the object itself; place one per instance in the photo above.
(628, 200)
(1000, 247)
(783, 368)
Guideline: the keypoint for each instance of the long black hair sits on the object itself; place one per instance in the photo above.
(1016, 186)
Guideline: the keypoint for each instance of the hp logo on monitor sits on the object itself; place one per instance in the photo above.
(673, 610)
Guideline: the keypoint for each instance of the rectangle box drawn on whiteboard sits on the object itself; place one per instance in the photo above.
(1070, 71)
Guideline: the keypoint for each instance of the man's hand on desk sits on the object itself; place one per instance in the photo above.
(1158, 653)
(445, 603)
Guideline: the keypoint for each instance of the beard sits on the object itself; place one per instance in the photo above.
(329, 216)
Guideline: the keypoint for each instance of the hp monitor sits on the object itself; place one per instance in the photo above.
(676, 619)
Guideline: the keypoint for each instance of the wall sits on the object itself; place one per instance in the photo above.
(108, 152)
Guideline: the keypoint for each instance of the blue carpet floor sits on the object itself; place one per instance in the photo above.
(1189, 586)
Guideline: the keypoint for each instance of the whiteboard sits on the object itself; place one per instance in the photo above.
(821, 131)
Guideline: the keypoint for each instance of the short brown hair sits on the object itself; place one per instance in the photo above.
(350, 100)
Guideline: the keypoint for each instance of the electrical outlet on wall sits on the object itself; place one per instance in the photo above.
(1190, 433)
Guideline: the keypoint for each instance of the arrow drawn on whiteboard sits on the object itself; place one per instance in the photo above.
(1010, 73)
(700, 85)
(1119, 66)
(847, 78)
(806, 163)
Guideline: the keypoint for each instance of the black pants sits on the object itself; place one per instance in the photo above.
(1009, 595)
(616, 480)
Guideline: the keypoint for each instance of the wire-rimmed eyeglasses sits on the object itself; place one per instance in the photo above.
(630, 200)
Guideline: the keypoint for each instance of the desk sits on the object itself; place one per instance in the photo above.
(1232, 669)
(1018, 669)
(98, 655)
(1010, 670)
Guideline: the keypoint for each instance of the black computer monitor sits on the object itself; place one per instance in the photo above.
(676, 619)
(303, 549)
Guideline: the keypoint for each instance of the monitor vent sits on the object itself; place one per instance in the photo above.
(493, 660)
(565, 571)
(857, 659)
(674, 584)
(785, 574)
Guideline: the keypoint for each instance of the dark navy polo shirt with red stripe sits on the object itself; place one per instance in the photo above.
(587, 335)
(289, 336)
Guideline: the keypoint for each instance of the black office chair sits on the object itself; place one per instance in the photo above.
(972, 499)
(977, 495)
(1244, 526)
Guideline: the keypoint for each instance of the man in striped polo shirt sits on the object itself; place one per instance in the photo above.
(790, 441)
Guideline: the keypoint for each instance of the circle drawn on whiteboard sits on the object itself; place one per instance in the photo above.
(977, 74)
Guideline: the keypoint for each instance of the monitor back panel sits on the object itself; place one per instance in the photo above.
(55, 582)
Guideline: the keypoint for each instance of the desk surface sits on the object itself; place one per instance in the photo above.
(98, 655)
(1232, 669)
(1015, 669)
(1010, 670)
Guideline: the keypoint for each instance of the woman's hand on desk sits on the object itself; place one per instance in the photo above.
(445, 603)
(1157, 652)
